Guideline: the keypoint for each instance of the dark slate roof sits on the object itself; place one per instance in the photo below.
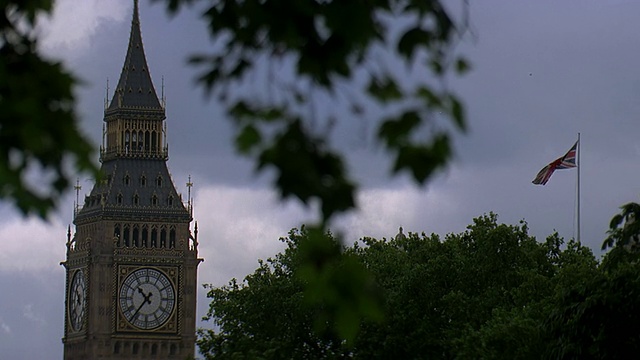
(135, 88)
(114, 197)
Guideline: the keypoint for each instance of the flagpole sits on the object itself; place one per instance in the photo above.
(579, 155)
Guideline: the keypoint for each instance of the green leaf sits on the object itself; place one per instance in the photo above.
(385, 89)
(432, 99)
(307, 170)
(247, 139)
(457, 113)
(423, 160)
(395, 132)
(462, 66)
(411, 40)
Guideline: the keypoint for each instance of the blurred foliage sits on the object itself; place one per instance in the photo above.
(288, 71)
(38, 127)
(491, 292)
(392, 56)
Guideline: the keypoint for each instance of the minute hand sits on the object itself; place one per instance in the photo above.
(147, 299)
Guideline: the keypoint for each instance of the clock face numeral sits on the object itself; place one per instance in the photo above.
(77, 300)
(146, 298)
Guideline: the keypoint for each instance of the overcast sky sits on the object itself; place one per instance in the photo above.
(542, 72)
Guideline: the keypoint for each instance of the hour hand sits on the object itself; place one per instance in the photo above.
(147, 298)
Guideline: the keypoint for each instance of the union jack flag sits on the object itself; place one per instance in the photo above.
(566, 162)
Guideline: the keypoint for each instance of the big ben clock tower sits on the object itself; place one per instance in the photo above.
(132, 262)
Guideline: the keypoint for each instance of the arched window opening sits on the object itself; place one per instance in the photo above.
(119, 199)
(159, 181)
(145, 236)
(154, 143)
(125, 236)
(154, 200)
(154, 237)
(172, 238)
(143, 180)
(127, 142)
(116, 233)
(136, 199)
(146, 140)
(140, 141)
(134, 141)
(170, 200)
(135, 236)
(127, 179)
(163, 238)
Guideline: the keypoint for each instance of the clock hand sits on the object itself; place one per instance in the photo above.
(147, 299)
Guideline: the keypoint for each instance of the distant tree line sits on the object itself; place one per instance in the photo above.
(491, 292)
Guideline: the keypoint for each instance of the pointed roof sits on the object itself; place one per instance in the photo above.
(135, 88)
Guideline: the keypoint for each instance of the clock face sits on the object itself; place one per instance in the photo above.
(77, 300)
(146, 298)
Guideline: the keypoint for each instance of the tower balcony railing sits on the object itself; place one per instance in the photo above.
(142, 153)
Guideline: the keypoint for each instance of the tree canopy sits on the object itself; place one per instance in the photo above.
(492, 291)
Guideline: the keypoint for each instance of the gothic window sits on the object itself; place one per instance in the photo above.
(146, 140)
(170, 200)
(154, 237)
(154, 200)
(145, 236)
(140, 140)
(127, 179)
(134, 140)
(136, 199)
(163, 237)
(119, 199)
(159, 181)
(125, 235)
(127, 144)
(143, 180)
(135, 235)
(116, 233)
(172, 238)
(153, 141)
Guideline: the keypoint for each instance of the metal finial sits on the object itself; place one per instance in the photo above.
(189, 185)
(77, 187)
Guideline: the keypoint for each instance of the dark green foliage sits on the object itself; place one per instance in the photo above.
(624, 229)
(38, 127)
(599, 316)
(328, 45)
(297, 305)
(491, 292)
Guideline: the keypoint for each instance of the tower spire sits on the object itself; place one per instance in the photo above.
(135, 88)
